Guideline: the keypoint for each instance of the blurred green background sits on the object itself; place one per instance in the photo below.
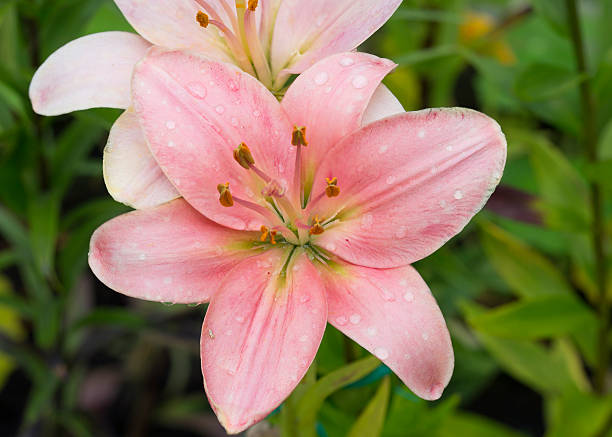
(524, 288)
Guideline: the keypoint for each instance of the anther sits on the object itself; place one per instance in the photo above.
(332, 189)
(273, 237)
(298, 138)
(225, 197)
(243, 156)
(316, 228)
(202, 19)
(253, 5)
(264, 233)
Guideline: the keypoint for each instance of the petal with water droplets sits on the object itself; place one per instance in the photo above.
(393, 315)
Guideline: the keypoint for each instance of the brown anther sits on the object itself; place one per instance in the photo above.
(202, 19)
(253, 5)
(225, 197)
(316, 228)
(243, 156)
(298, 138)
(264, 233)
(332, 190)
(272, 237)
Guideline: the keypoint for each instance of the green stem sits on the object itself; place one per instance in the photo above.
(598, 231)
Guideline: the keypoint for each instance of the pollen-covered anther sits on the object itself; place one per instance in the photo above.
(225, 196)
(316, 228)
(273, 237)
(298, 138)
(253, 5)
(332, 190)
(265, 231)
(243, 156)
(202, 19)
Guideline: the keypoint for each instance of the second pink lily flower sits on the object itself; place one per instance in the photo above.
(293, 215)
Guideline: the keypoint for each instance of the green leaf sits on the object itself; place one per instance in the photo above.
(536, 318)
(526, 271)
(472, 425)
(579, 414)
(111, 317)
(372, 420)
(605, 142)
(554, 12)
(543, 81)
(310, 402)
(600, 173)
(529, 362)
(43, 214)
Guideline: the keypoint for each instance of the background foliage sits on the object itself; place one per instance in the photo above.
(523, 288)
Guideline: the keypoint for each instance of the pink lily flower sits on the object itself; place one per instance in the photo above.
(293, 216)
(276, 39)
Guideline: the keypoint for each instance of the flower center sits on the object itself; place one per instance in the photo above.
(241, 36)
(282, 221)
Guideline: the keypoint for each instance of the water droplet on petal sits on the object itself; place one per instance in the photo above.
(321, 78)
(355, 319)
(305, 298)
(233, 85)
(421, 134)
(383, 149)
(197, 90)
(390, 180)
(303, 339)
(449, 148)
(458, 195)
(346, 62)
(170, 124)
(425, 336)
(381, 353)
(171, 144)
(341, 320)
(372, 331)
(256, 113)
(360, 82)
(220, 109)
(387, 295)
(409, 297)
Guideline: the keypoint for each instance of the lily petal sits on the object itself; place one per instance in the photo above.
(393, 315)
(131, 173)
(172, 24)
(194, 113)
(383, 104)
(349, 80)
(168, 254)
(305, 33)
(89, 72)
(260, 336)
(409, 184)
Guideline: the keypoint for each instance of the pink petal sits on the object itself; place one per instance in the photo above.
(306, 33)
(131, 173)
(172, 24)
(393, 315)
(168, 254)
(408, 184)
(89, 72)
(330, 99)
(194, 113)
(260, 336)
(383, 104)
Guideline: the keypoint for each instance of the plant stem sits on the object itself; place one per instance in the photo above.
(598, 231)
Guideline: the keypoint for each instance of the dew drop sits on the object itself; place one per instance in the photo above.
(346, 62)
(197, 90)
(409, 297)
(321, 78)
(360, 82)
(425, 336)
(458, 195)
(390, 180)
(381, 353)
(233, 85)
(449, 148)
(355, 319)
(211, 334)
(240, 319)
(220, 109)
(387, 295)
(142, 257)
(442, 203)
(304, 299)
(171, 144)
(383, 149)
(170, 124)
(303, 339)
(341, 320)
(372, 331)
(256, 113)
(421, 134)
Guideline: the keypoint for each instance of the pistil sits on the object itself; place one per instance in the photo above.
(298, 139)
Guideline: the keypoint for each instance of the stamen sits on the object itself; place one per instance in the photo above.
(272, 237)
(225, 197)
(264, 73)
(232, 41)
(265, 231)
(332, 189)
(316, 228)
(243, 156)
(298, 138)
(202, 19)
